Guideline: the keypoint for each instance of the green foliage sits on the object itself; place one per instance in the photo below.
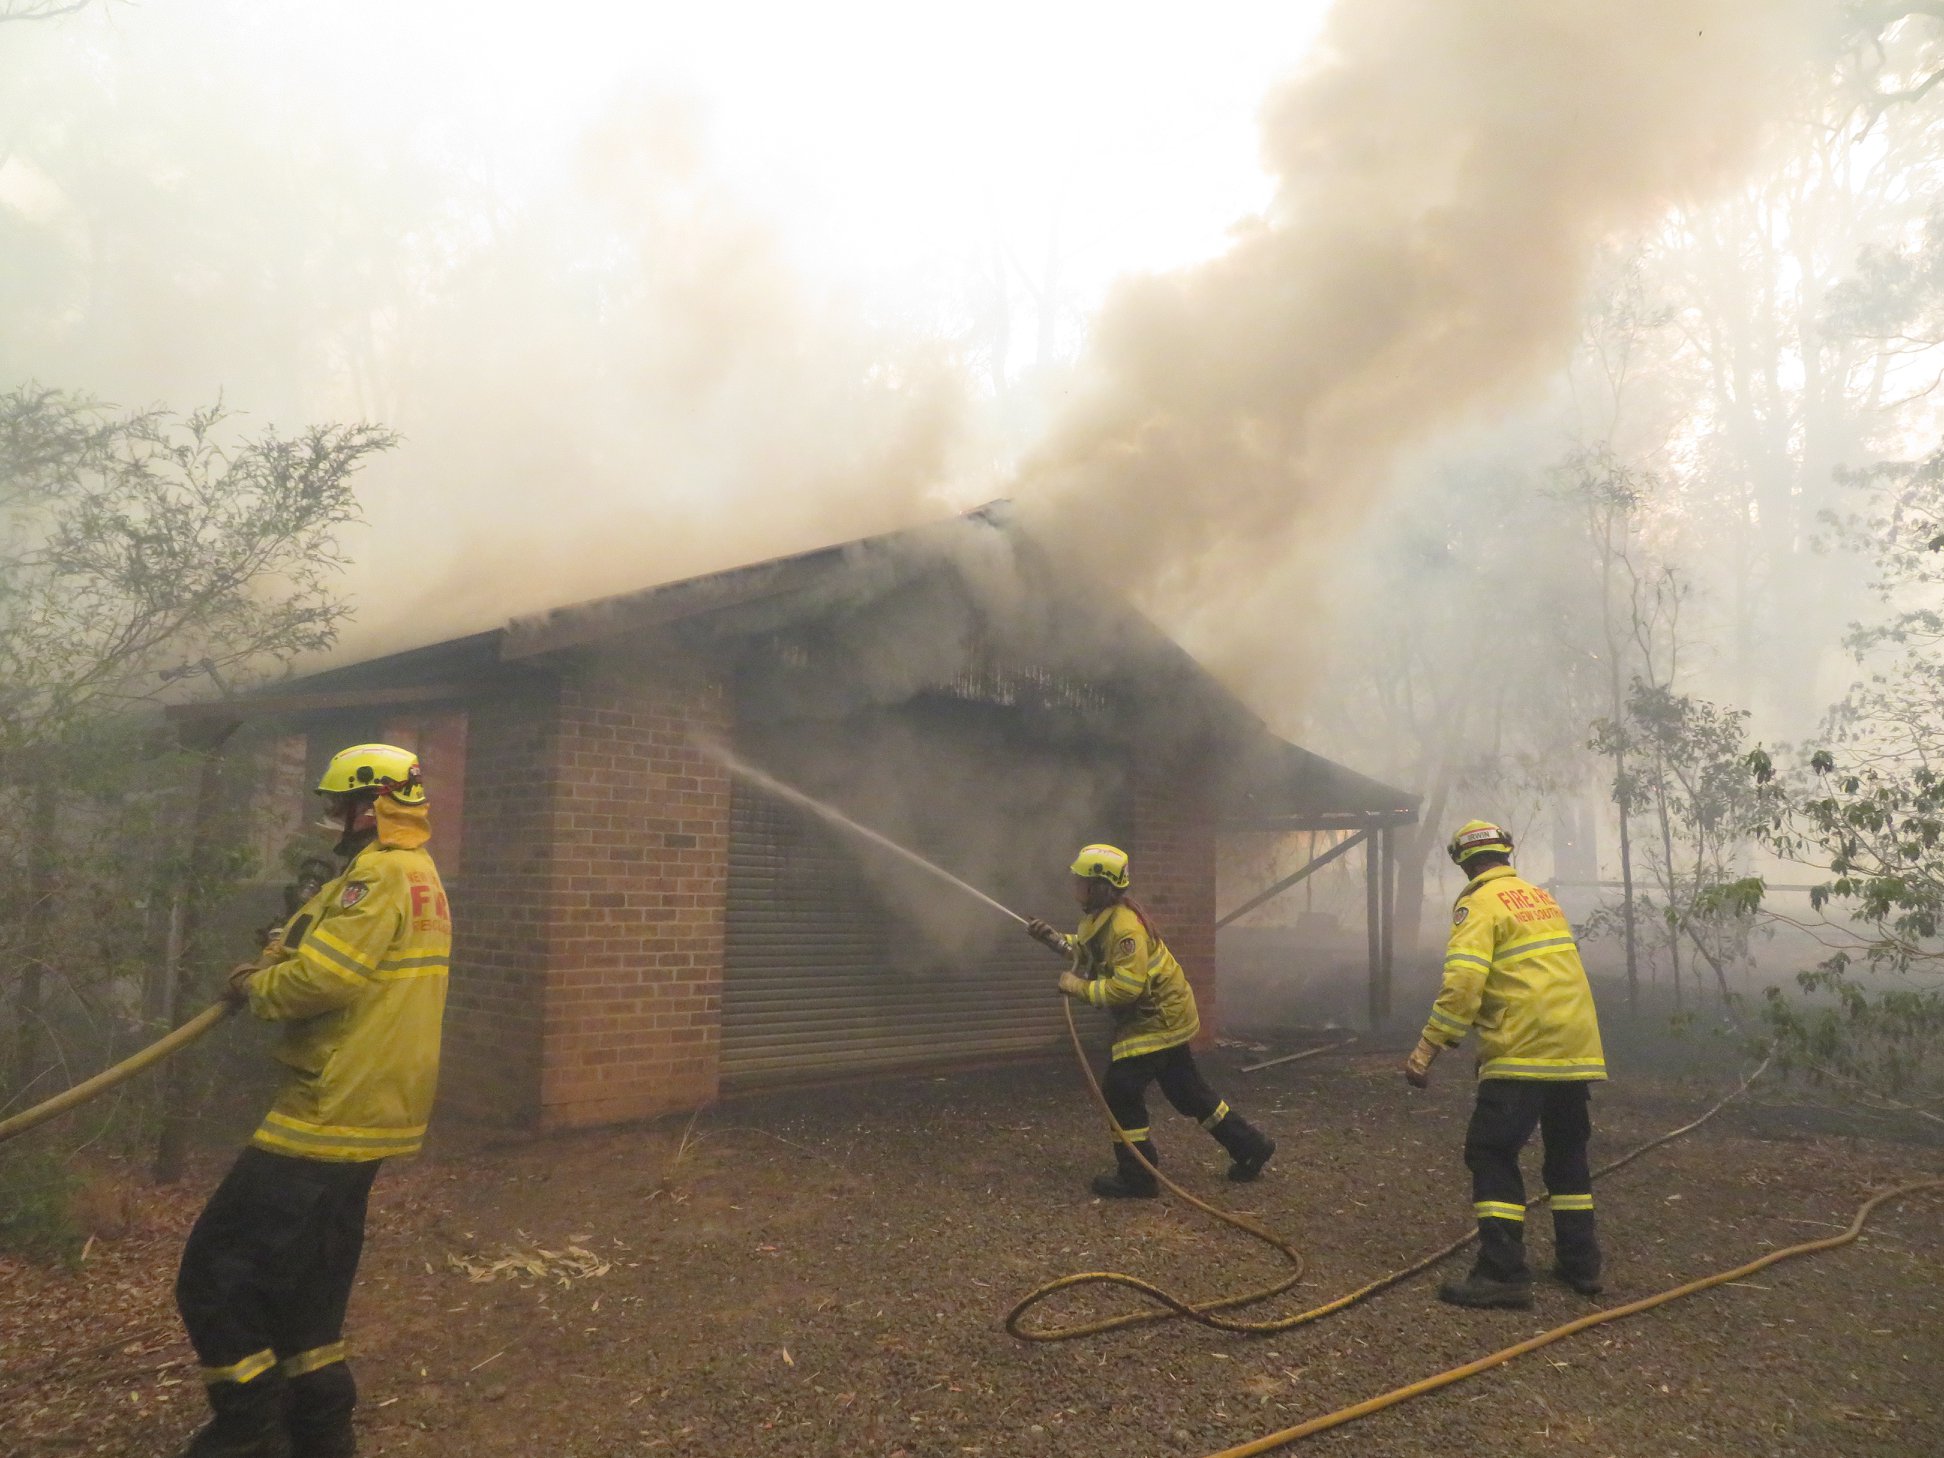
(1683, 768)
(1876, 1008)
(1867, 811)
(132, 544)
(37, 1191)
(139, 552)
(1889, 1040)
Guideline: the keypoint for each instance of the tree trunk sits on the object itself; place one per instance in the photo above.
(1410, 891)
(1627, 894)
(1674, 916)
(1622, 798)
(37, 938)
(172, 1141)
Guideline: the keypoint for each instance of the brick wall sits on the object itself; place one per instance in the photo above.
(640, 837)
(502, 917)
(587, 965)
(1173, 854)
(438, 737)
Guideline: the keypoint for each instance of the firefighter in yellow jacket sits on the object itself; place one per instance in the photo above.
(1512, 971)
(1120, 963)
(358, 979)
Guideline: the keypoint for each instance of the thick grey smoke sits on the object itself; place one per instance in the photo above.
(1447, 174)
(625, 376)
(608, 365)
(637, 386)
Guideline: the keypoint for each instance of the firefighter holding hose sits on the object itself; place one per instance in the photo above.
(1119, 962)
(1512, 970)
(358, 979)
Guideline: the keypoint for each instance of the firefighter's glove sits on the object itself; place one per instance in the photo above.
(1047, 936)
(1417, 1068)
(237, 992)
(1073, 985)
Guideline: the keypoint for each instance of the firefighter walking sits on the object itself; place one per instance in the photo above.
(358, 978)
(1119, 962)
(1512, 971)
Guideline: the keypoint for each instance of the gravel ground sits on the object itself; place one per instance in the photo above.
(825, 1273)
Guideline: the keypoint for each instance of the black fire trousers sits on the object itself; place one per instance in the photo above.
(265, 1279)
(1507, 1111)
(1126, 1086)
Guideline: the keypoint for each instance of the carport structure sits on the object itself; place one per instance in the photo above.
(1282, 788)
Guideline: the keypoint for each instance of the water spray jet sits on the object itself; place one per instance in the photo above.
(744, 770)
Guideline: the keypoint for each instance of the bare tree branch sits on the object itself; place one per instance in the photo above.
(1910, 93)
(40, 9)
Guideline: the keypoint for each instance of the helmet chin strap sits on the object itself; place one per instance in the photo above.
(353, 823)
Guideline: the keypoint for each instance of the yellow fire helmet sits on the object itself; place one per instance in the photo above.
(1475, 836)
(384, 768)
(1108, 863)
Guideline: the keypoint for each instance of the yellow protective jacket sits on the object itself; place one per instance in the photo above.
(1512, 971)
(361, 985)
(1133, 974)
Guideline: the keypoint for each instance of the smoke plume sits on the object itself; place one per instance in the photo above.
(610, 368)
(1446, 176)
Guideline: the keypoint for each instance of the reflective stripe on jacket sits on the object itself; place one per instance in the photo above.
(1512, 971)
(1136, 977)
(362, 992)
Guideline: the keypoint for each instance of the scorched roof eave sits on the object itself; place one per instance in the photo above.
(584, 624)
(436, 672)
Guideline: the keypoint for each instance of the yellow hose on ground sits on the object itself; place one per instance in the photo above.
(175, 1041)
(1205, 1311)
(1599, 1318)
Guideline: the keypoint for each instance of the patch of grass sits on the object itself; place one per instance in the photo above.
(37, 1217)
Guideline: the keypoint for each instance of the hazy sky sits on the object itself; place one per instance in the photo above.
(890, 141)
(651, 290)
(682, 266)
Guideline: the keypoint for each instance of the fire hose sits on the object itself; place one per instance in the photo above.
(1208, 1312)
(1446, 1378)
(1205, 1312)
(160, 1049)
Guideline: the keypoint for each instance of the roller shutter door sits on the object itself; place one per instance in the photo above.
(819, 971)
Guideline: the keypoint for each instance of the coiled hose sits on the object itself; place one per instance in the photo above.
(1208, 1312)
(161, 1048)
(1545, 1339)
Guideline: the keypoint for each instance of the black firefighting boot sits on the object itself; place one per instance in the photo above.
(319, 1413)
(1248, 1147)
(1576, 1249)
(248, 1421)
(1129, 1181)
(1499, 1277)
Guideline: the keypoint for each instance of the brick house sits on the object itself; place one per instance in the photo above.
(640, 931)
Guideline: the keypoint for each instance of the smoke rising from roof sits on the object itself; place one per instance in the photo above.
(669, 396)
(1447, 175)
(613, 369)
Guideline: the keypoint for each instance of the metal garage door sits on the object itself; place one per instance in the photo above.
(821, 976)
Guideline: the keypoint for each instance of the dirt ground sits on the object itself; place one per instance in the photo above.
(825, 1273)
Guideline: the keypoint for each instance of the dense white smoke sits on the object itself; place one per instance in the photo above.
(1447, 174)
(617, 372)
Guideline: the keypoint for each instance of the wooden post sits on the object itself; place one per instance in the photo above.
(1374, 921)
(1387, 915)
